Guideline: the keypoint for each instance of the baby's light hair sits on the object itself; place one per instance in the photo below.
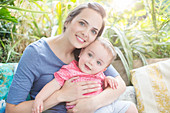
(110, 48)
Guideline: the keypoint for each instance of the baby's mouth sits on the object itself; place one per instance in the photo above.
(87, 67)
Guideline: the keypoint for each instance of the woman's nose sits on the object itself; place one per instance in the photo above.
(85, 33)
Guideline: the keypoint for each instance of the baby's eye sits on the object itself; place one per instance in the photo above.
(82, 23)
(90, 55)
(99, 63)
(94, 32)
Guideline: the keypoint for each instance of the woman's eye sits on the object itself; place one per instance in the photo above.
(94, 32)
(89, 54)
(98, 62)
(82, 23)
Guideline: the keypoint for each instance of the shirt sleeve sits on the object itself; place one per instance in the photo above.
(26, 73)
(62, 75)
(111, 71)
(59, 78)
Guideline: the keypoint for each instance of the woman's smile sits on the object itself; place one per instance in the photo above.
(80, 39)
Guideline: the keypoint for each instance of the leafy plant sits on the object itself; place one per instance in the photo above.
(159, 16)
(140, 33)
(6, 26)
(11, 37)
(30, 20)
(126, 49)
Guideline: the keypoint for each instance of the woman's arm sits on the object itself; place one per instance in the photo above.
(109, 95)
(75, 89)
(26, 106)
(90, 105)
(45, 92)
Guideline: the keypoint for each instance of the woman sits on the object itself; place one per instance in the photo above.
(44, 57)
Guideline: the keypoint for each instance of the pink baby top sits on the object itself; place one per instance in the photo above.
(68, 71)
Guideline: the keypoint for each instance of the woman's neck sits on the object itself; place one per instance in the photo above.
(62, 48)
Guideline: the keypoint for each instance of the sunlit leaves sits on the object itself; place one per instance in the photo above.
(5, 15)
(74, 1)
(59, 16)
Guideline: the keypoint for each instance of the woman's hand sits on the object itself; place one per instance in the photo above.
(37, 106)
(72, 91)
(85, 105)
(90, 105)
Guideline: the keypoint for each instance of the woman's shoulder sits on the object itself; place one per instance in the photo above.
(37, 48)
(38, 42)
(39, 45)
(50, 38)
(111, 71)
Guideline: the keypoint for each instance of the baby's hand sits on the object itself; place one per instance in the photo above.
(37, 106)
(111, 81)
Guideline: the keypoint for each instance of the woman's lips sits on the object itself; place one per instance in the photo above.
(80, 39)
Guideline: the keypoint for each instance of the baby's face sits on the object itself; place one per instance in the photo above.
(94, 58)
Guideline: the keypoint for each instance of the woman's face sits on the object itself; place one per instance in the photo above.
(83, 29)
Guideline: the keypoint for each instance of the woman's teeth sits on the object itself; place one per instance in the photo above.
(81, 40)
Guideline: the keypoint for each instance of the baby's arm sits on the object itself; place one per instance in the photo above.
(111, 81)
(45, 92)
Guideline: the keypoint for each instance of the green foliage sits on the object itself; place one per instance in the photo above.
(8, 32)
(62, 9)
(23, 22)
(8, 2)
(5, 15)
(140, 33)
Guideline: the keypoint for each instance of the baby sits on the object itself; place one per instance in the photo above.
(93, 61)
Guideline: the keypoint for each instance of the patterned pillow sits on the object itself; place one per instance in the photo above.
(6, 76)
(129, 95)
(152, 86)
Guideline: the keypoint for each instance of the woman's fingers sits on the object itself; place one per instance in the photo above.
(90, 90)
(76, 90)
(90, 86)
(37, 110)
(41, 108)
(71, 103)
(84, 83)
(70, 111)
(87, 96)
(72, 79)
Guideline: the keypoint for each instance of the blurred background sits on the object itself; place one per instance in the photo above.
(140, 29)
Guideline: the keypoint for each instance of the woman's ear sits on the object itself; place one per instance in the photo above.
(66, 23)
